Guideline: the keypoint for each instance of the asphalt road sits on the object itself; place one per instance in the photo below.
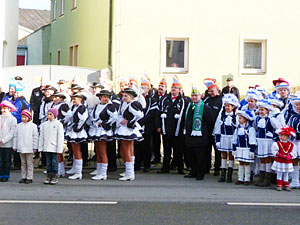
(150, 199)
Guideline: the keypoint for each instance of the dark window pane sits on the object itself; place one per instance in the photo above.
(252, 55)
(175, 54)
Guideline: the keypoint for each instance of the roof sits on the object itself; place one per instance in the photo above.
(33, 19)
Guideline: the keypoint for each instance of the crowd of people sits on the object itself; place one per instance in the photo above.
(261, 132)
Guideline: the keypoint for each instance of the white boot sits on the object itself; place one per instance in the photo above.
(61, 169)
(72, 170)
(78, 170)
(241, 173)
(247, 173)
(295, 177)
(103, 172)
(122, 174)
(96, 171)
(133, 159)
(129, 172)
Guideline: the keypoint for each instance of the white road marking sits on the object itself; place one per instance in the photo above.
(262, 204)
(58, 202)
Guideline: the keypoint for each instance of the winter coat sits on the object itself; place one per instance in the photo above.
(35, 102)
(26, 138)
(7, 129)
(51, 137)
(21, 104)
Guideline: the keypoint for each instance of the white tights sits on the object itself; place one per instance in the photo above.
(284, 175)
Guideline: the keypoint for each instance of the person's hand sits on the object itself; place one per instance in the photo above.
(124, 122)
(218, 144)
(289, 157)
(158, 130)
(269, 134)
(251, 155)
(99, 124)
(14, 150)
(35, 150)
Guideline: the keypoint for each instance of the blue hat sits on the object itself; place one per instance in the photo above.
(19, 86)
(231, 99)
(264, 104)
(275, 101)
(12, 83)
(249, 115)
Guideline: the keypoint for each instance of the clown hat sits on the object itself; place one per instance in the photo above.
(12, 83)
(275, 101)
(286, 130)
(261, 92)
(19, 86)
(176, 82)
(163, 81)
(195, 90)
(252, 94)
(27, 112)
(264, 104)
(145, 82)
(296, 99)
(247, 114)
(133, 80)
(123, 81)
(231, 99)
(279, 80)
(8, 104)
(210, 83)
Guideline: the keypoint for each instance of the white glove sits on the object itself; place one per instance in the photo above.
(218, 144)
(163, 116)
(177, 116)
(228, 121)
(269, 134)
(251, 155)
(261, 123)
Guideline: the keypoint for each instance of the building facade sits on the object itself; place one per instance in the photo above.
(253, 42)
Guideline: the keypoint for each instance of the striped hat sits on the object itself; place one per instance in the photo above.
(145, 82)
(231, 99)
(247, 114)
(27, 112)
(296, 99)
(195, 90)
(8, 104)
(19, 86)
(275, 101)
(264, 104)
(163, 81)
(176, 82)
(12, 83)
(210, 83)
(133, 80)
(123, 81)
(252, 94)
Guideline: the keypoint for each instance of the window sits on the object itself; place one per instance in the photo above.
(58, 57)
(54, 10)
(253, 56)
(74, 55)
(175, 55)
(74, 4)
(62, 7)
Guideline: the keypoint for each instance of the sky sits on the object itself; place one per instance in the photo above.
(35, 4)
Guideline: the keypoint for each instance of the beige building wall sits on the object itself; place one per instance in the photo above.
(216, 31)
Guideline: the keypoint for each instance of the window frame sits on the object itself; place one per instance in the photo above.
(74, 4)
(54, 6)
(58, 56)
(62, 7)
(259, 39)
(72, 52)
(181, 70)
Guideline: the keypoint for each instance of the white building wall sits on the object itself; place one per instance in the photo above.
(214, 29)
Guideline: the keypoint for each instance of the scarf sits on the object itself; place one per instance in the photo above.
(197, 117)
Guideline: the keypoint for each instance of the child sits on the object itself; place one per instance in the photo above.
(244, 142)
(62, 107)
(294, 122)
(265, 132)
(225, 126)
(51, 142)
(26, 143)
(284, 151)
(276, 110)
(252, 97)
(8, 125)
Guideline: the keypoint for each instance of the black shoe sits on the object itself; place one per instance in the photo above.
(229, 175)
(189, 176)
(163, 171)
(1, 179)
(181, 172)
(28, 181)
(223, 175)
(22, 181)
(146, 170)
(201, 177)
(217, 173)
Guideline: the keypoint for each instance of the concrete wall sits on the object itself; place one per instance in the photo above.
(9, 20)
(35, 49)
(32, 74)
(215, 29)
